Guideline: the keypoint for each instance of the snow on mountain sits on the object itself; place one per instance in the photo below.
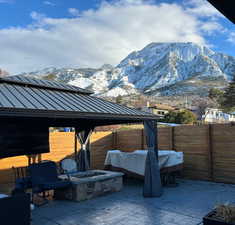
(157, 69)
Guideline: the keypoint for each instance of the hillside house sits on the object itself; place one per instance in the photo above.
(158, 109)
(217, 116)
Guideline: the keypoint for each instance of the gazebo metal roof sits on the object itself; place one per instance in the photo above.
(39, 98)
(52, 85)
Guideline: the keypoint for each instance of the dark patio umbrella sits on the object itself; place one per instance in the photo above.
(152, 179)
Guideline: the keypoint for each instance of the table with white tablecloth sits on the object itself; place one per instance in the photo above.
(135, 161)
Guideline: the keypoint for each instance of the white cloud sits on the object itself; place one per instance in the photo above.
(74, 12)
(49, 3)
(105, 35)
(209, 15)
(202, 8)
(231, 38)
(211, 27)
(37, 16)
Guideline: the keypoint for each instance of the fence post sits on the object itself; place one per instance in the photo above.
(114, 139)
(210, 151)
(173, 138)
(142, 139)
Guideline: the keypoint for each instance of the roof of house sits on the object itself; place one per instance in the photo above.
(161, 107)
(37, 98)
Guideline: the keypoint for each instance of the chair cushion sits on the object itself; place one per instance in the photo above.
(69, 165)
(43, 172)
(23, 183)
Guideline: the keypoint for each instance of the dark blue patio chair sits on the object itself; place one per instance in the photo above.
(44, 177)
(22, 178)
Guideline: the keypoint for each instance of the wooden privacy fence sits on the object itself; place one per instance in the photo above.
(209, 150)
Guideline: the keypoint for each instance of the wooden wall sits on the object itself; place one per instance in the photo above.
(209, 150)
(193, 141)
(223, 153)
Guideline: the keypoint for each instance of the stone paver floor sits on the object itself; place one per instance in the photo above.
(183, 205)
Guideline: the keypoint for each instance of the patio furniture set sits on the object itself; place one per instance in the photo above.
(76, 185)
(71, 184)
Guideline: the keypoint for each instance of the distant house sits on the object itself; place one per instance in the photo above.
(158, 109)
(217, 116)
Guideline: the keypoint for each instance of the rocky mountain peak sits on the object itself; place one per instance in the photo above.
(157, 69)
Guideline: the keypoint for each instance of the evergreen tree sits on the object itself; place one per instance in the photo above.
(180, 117)
(216, 94)
(228, 103)
(186, 117)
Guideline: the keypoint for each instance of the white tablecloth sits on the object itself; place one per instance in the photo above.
(135, 161)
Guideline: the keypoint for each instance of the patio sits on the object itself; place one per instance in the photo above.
(183, 205)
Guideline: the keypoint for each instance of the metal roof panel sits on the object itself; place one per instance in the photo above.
(38, 100)
(43, 83)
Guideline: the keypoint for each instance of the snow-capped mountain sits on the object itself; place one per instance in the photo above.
(157, 69)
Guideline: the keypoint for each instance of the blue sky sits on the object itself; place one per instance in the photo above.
(36, 34)
(17, 12)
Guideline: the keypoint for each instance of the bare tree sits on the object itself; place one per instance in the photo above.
(203, 103)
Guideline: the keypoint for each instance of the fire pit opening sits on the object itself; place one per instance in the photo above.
(88, 174)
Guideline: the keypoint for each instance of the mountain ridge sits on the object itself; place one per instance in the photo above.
(158, 69)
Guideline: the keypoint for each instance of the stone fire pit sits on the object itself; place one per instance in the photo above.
(90, 184)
